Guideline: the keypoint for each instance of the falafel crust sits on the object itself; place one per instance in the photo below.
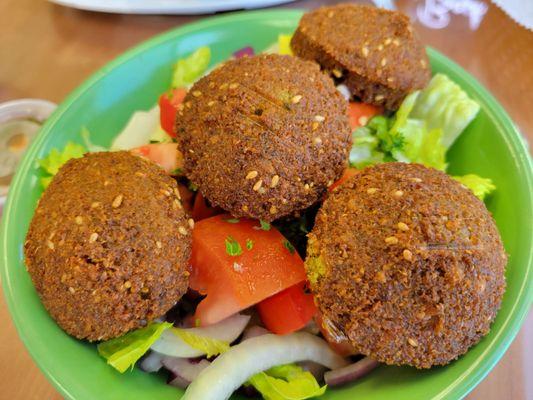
(407, 264)
(264, 136)
(373, 51)
(108, 246)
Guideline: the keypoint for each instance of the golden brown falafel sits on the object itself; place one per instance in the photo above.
(373, 51)
(407, 264)
(108, 246)
(264, 136)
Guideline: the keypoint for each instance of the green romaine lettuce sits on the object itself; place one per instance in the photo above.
(56, 158)
(421, 146)
(409, 140)
(422, 130)
(424, 127)
(397, 138)
(481, 187)
(365, 149)
(188, 70)
(123, 352)
(400, 118)
(286, 382)
(209, 346)
(444, 105)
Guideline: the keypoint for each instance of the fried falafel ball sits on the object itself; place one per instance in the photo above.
(108, 246)
(407, 265)
(264, 136)
(373, 51)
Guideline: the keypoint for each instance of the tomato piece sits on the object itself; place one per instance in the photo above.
(264, 266)
(287, 311)
(168, 109)
(348, 173)
(166, 155)
(201, 210)
(360, 113)
(340, 345)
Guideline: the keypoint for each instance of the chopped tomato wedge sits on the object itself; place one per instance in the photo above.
(287, 311)
(201, 210)
(238, 263)
(166, 155)
(348, 173)
(168, 109)
(340, 345)
(360, 113)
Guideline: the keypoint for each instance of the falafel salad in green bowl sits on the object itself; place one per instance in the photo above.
(318, 208)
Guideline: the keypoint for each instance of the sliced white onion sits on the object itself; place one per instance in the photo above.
(343, 89)
(152, 362)
(227, 330)
(184, 370)
(138, 130)
(254, 331)
(231, 369)
(317, 370)
(350, 372)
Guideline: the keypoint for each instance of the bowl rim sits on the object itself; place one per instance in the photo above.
(516, 144)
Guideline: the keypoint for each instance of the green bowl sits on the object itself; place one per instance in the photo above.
(491, 147)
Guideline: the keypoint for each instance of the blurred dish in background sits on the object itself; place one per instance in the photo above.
(436, 14)
(190, 7)
(20, 121)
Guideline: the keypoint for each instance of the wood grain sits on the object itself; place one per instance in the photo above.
(47, 50)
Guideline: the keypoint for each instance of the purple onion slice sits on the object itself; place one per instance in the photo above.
(350, 373)
(245, 51)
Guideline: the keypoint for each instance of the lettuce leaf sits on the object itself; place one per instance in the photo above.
(56, 158)
(188, 70)
(209, 346)
(421, 131)
(284, 43)
(481, 187)
(421, 146)
(365, 149)
(444, 105)
(123, 352)
(401, 116)
(391, 140)
(286, 382)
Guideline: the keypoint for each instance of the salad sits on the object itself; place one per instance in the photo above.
(249, 320)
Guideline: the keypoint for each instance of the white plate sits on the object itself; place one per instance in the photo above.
(167, 6)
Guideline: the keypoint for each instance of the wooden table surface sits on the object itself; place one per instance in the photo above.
(47, 50)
